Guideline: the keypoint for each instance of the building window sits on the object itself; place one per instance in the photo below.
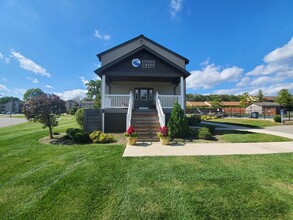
(136, 94)
(151, 94)
(143, 94)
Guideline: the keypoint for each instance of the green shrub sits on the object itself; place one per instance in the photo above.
(81, 137)
(94, 136)
(100, 137)
(194, 132)
(79, 116)
(204, 133)
(211, 128)
(106, 138)
(277, 118)
(193, 119)
(206, 117)
(178, 125)
(78, 135)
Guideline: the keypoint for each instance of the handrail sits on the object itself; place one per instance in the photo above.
(168, 101)
(116, 100)
(161, 114)
(129, 111)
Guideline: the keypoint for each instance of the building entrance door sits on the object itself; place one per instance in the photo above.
(143, 98)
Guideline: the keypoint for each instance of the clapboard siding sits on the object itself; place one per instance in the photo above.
(92, 120)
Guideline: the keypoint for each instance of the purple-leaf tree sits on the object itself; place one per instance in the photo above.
(45, 109)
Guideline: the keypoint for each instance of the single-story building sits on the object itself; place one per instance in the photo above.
(141, 81)
(267, 108)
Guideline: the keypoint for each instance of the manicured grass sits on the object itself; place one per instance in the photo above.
(246, 122)
(95, 182)
(247, 137)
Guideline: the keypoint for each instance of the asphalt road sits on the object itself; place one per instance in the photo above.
(5, 122)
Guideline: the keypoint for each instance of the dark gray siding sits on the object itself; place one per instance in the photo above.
(92, 120)
(115, 122)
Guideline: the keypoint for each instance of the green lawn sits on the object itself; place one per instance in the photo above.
(95, 182)
(260, 123)
(247, 137)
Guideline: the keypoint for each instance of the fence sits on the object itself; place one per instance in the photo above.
(264, 112)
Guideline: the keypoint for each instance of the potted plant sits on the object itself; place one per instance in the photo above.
(131, 135)
(164, 135)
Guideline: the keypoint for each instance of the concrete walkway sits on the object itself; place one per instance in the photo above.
(5, 122)
(197, 149)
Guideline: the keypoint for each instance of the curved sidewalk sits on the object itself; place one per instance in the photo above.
(205, 149)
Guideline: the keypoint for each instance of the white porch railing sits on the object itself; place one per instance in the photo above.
(168, 101)
(161, 114)
(116, 100)
(129, 111)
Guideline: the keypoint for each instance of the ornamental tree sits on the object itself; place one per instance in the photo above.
(45, 109)
(31, 93)
(178, 125)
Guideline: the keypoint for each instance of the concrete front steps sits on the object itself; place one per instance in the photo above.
(146, 123)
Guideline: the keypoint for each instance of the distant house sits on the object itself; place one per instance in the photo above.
(270, 98)
(13, 107)
(87, 104)
(267, 108)
(70, 104)
(198, 104)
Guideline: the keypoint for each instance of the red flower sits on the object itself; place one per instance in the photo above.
(130, 130)
(164, 131)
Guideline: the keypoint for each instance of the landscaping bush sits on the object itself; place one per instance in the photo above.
(81, 137)
(194, 132)
(79, 116)
(78, 135)
(178, 125)
(100, 137)
(211, 128)
(204, 133)
(277, 118)
(193, 119)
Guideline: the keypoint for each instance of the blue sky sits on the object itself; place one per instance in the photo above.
(233, 46)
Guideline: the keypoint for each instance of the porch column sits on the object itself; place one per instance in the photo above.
(182, 92)
(103, 101)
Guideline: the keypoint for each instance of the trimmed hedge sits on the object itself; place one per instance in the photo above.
(78, 135)
(204, 133)
(277, 118)
(100, 137)
(193, 119)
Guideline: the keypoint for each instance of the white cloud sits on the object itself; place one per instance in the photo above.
(19, 91)
(106, 37)
(280, 54)
(84, 81)
(49, 87)
(34, 80)
(102, 36)
(211, 75)
(4, 58)
(244, 82)
(278, 61)
(233, 91)
(67, 95)
(30, 65)
(175, 7)
(4, 88)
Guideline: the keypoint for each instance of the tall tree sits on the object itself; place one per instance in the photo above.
(245, 99)
(6, 99)
(284, 97)
(260, 96)
(94, 92)
(45, 109)
(31, 93)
